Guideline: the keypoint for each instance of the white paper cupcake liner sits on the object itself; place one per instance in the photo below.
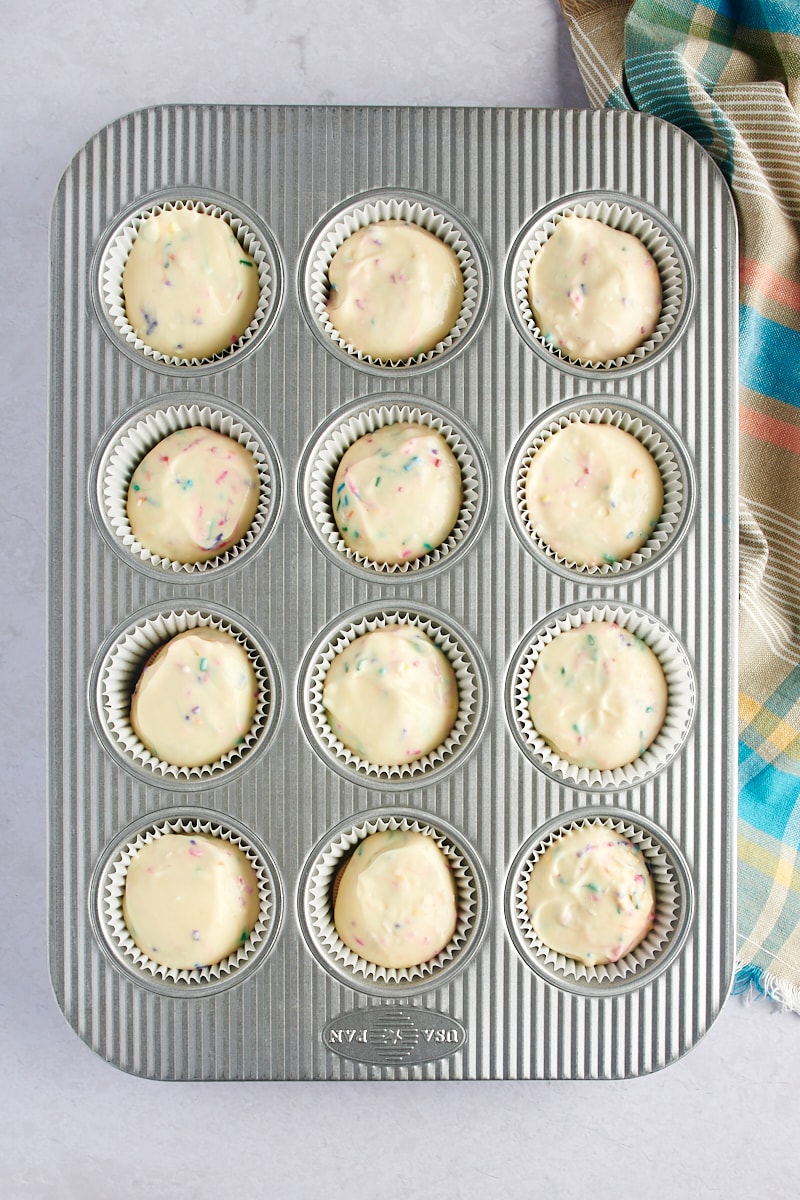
(115, 255)
(629, 220)
(673, 905)
(394, 207)
(340, 434)
(470, 718)
(126, 447)
(110, 889)
(681, 697)
(119, 666)
(669, 457)
(340, 959)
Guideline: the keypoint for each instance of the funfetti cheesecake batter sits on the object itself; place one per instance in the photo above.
(594, 291)
(190, 900)
(597, 695)
(196, 698)
(395, 290)
(593, 493)
(190, 288)
(193, 496)
(591, 896)
(396, 901)
(391, 696)
(397, 493)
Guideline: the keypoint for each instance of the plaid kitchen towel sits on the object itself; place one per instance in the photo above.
(728, 73)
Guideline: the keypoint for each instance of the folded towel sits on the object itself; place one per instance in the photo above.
(727, 72)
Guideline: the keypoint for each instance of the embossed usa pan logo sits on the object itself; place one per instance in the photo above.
(393, 1035)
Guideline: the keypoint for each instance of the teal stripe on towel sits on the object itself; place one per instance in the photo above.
(769, 356)
(767, 796)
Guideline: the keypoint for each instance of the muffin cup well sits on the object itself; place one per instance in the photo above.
(674, 905)
(670, 457)
(136, 434)
(322, 457)
(658, 237)
(254, 238)
(119, 664)
(108, 887)
(471, 677)
(315, 906)
(401, 205)
(681, 697)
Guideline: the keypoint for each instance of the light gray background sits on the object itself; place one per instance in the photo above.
(721, 1122)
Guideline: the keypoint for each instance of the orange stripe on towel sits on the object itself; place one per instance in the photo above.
(769, 429)
(755, 274)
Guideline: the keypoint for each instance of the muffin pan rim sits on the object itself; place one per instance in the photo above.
(656, 1048)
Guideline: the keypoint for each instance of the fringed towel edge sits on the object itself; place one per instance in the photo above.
(752, 982)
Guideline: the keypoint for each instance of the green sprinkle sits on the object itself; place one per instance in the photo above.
(203, 664)
(245, 262)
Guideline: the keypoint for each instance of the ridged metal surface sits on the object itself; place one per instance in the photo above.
(498, 167)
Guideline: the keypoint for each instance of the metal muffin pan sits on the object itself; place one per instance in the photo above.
(494, 1004)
